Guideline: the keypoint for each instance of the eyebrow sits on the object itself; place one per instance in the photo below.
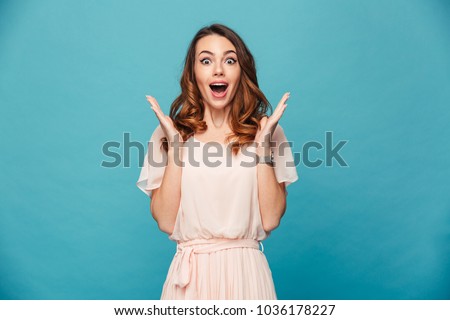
(226, 52)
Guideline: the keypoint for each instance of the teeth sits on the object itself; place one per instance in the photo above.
(218, 84)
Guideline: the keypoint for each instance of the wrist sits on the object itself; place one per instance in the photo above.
(265, 156)
(175, 155)
(263, 149)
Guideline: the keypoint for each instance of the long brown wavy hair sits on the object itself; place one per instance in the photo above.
(248, 106)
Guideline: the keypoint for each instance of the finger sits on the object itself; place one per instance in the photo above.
(283, 99)
(263, 122)
(279, 111)
(286, 96)
(153, 102)
(283, 102)
(276, 116)
(155, 107)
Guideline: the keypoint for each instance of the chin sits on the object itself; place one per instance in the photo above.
(218, 106)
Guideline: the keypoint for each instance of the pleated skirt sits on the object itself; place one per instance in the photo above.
(219, 270)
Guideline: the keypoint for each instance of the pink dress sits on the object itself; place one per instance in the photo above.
(218, 228)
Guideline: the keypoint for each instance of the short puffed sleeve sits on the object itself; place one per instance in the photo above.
(154, 164)
(284, 166)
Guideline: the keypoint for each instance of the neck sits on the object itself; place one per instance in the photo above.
(217, 118)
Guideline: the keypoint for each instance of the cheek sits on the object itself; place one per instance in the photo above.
(236, 78)
(199, 74)
(201, 84)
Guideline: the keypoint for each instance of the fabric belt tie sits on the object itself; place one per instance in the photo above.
(186, 261)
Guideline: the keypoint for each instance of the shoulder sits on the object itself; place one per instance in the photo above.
(278, 135)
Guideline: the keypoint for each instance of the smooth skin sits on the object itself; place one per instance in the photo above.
(216, 60)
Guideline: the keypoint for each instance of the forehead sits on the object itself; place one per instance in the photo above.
(215, 44)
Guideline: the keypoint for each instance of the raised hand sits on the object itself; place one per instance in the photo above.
(268, 124)
(171, 133)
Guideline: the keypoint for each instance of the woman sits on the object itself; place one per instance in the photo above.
(218, 210)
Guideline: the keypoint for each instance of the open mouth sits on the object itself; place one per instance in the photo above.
(219, 89)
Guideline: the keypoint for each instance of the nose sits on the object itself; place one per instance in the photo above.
(218, 69)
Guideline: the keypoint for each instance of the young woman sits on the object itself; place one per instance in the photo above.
(217, 187)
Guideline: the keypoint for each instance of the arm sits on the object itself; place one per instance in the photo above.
(165, 200)
(271, 195)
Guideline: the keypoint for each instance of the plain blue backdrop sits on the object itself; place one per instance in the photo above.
(74, 75)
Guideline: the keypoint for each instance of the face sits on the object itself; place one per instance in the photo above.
(216, 70)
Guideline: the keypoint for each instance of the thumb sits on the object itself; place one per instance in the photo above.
(263, 122)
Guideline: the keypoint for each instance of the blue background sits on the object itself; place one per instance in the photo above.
(74, 74)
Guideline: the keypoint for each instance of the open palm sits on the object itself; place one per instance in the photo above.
(171, 133)
(268, 124)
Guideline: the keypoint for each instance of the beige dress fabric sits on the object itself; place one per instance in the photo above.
(218, 228)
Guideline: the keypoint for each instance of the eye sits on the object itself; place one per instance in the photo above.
(230, 61)
(204, 60)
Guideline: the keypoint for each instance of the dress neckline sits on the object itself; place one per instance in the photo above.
(202, 142)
